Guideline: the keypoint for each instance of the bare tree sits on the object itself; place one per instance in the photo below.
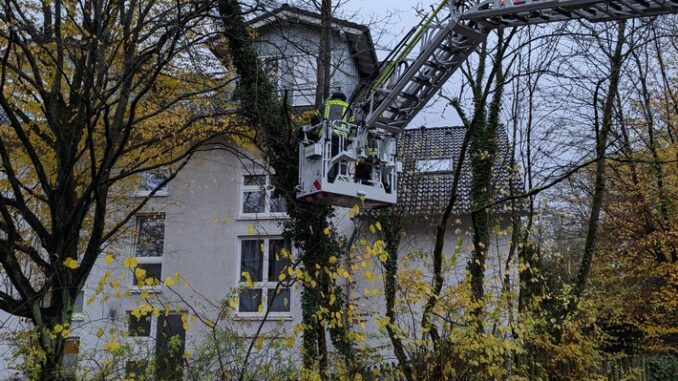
(93, 94)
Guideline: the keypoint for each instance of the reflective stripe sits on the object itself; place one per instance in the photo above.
(332, 107)
(336, 131)
(336, 109)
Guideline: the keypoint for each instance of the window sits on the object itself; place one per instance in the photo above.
(271, 65)
(78, 306)
(170, 343)
(302, 80)
(150, 235)
(263, 260)
(151, 274)
(258, 196)
(148, 248)
(434, 165)
(138, 326)
(152, 180)
(70, 359)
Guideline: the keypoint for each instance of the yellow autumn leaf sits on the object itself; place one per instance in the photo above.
(100, 332)
(378, 225)
(169, 282)
(281, 277)
(373, 229)
(115, 283)
(139, 273)
(251, 229)
(109, 259)
(259, 342)
(333, 260)
(112, 346)
(248, 279)
(260, 309)
(130, 262)
(71, 263)
(184, 321)
(354, 211)
(233, 303)
(289, 342)
(327, 230)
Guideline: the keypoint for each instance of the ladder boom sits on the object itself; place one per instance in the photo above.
(446, 39)
(510, 13)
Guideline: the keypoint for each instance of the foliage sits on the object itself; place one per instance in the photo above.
(664, 367)
(309, 226)
(92, 96)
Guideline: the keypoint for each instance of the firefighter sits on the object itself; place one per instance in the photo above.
(336, 113)
(336, 110)
(364, 168)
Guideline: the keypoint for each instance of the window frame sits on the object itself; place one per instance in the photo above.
(268, 190)
(71, 360)
(79, 315)
(150, 321)
(161, 192)
(147, 259)
(437, 166)
(264, 285)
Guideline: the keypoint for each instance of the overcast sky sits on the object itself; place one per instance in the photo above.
(389, 20)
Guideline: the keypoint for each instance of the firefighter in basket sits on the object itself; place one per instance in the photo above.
(336, 113)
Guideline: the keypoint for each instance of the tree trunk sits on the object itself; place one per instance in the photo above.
(260, 105)
(324, 60)
(392, 230)
(599, 188)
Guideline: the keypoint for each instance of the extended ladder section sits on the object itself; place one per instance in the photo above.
(448, 37)
(346, 164)
(507, 13)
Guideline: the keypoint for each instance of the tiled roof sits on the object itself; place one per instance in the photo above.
(427, 193)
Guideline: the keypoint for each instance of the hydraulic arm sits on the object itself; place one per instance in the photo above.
(451, 34)
(347, 163)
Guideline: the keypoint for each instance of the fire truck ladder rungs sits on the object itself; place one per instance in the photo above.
(400, 96)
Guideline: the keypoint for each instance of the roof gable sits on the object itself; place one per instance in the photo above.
(358, 36)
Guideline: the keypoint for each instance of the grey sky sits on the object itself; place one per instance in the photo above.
(389, 20)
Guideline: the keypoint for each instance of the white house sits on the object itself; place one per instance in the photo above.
(218, 218)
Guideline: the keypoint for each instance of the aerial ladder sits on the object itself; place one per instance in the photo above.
(407, 80)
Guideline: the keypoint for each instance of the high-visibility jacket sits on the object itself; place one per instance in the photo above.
(336, 109)
(372, 149)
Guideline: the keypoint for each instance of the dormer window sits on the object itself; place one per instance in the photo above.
(434, 165)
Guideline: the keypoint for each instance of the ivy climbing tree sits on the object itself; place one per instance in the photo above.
(309, 225)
